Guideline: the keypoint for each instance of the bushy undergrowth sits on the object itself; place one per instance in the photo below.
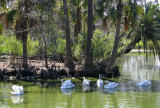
(58, 44)
(10, 45)
(101, 45)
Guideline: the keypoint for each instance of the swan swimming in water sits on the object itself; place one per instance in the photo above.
(99, 81)
(86, 82)
(110, 84)
(143, 83)
(67, 84)
(17, 90)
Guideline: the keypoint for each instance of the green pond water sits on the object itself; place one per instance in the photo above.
(47, 94)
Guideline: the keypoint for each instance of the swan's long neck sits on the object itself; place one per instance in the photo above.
(62, 82)
(84, 78)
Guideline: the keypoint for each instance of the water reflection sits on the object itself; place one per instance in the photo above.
(86, 89)
(17, 99)
(134, 66)
(99, 86)
(4, 106)
(144, 88)
(42, 84)
(110, 90)
(67, 91)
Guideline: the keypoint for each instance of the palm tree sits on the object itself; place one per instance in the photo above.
(89, 61)
(131, 10)
(78, 12)
(76, 15)
(150, 28)
(147, 30)
(115, 11)
(116, 42)
(69, 62)
(22, 24)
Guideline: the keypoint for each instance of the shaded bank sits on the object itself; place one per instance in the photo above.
(56, 69)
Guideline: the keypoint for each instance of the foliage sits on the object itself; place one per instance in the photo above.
(149, 28)
(102, 44)
(57, 45)
(1, 44)
(1, 28)
(142, 24)
(61, 45)
(32, 46)
(10, 45)
(79, 46)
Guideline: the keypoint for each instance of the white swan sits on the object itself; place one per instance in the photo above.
(67, 84)
(110, 84)
(143, 83)
(99, 81)
(17, 90)
(86, 82)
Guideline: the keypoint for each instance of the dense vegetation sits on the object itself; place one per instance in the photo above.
(91, 32)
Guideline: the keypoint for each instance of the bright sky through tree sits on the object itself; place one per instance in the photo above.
(152, 1)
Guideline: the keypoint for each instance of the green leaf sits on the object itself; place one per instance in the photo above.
(1, 28)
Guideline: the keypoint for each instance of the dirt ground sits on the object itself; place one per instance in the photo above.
(10, 63)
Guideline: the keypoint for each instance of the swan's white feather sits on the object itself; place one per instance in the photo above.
(86, 82)
(17, 90)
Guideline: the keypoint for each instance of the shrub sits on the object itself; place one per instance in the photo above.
(10, 45)
(102, 45)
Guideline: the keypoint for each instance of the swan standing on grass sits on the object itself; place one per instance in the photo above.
(86, 82)
(17, 90)
(99, 81)
(143, 83)
(67, 84)
(110, 85)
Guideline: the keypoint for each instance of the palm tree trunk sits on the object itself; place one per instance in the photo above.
(24, 40)
(88, 61)
(77, 27)
(69, 62)
(116, 42)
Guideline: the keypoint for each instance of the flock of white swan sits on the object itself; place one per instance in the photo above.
(18, 90)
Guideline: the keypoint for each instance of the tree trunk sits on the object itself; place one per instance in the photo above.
(40, 48)
(24, 40)
(130, 45)
(116, 42)
(88, 61)
(69, 62)
(45, 51)
(77, 27)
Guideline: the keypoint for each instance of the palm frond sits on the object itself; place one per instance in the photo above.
(10, 16)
